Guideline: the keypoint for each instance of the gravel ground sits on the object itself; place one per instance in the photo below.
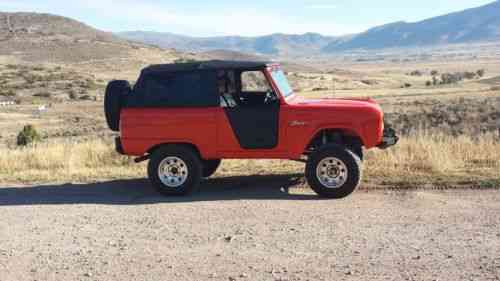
(254, 228)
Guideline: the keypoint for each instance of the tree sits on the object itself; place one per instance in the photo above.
(72, 95)
(428, 83)
(416, 73)
(480, 73)
(27, 136)
(470, 75)
(434, 72)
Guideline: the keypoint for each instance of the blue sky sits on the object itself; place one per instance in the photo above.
(250, 18)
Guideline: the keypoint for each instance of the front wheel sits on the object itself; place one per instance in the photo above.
(334, 172)
(175, 170)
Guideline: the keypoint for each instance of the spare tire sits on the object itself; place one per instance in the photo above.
(116, 92)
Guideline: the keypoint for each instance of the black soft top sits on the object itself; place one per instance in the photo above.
(207, 65)
(185, 84)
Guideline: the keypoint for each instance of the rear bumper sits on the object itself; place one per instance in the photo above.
(389, 139)
(119, 146)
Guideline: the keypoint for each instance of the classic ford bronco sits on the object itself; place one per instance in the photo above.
(185, 118)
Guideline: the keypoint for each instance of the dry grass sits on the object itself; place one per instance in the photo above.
(436, 159)
(418, 160)
(65, 161)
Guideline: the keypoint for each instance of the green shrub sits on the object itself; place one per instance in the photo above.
(89, 84)
(38, 68)
(43, 94)
(469, 75)
(85, 97)
(319, 89)
(28, 136)
(72, 95)
(7, 93)
(435, 81)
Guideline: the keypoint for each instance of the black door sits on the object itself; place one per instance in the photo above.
(255, 126)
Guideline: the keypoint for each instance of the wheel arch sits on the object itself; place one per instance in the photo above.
(336, 135)
(183, 144)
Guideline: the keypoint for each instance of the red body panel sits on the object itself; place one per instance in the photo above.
(209, 129)
(144, 128)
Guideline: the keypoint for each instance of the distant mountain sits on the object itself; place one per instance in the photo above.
(274, 44)
(230, 55)
(472, 25)
(238, 56)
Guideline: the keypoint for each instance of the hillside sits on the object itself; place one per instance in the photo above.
(46, 38)
(472, 25)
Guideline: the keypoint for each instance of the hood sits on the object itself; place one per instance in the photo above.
(332, 101)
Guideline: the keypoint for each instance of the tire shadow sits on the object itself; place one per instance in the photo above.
(140, 191)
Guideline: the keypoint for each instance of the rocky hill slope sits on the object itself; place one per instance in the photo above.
(41, 38)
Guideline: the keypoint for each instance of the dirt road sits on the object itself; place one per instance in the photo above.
(246, 229)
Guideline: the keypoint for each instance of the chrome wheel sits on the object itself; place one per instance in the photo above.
(332, 172)
(173, 172)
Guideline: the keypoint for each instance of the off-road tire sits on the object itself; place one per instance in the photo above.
(352, 163)
(190, 158)
(210, 167)
(116, 92)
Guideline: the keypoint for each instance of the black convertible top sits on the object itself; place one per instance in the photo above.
(191, 84)
(207, 65)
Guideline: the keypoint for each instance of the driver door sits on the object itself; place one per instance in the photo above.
(251, 113)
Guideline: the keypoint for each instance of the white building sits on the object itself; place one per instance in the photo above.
(4, 101)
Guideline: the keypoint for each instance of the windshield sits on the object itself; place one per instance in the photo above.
(282, 82)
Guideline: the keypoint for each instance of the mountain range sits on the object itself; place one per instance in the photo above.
(480, 24)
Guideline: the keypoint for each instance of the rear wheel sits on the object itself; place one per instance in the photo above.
(333, 171)
(210, 167)
(175, 170)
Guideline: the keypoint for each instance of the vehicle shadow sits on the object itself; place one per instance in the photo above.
(139, 191)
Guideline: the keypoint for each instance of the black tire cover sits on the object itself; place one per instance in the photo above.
(116, 92)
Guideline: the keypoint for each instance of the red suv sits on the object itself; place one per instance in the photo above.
(185, 118)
